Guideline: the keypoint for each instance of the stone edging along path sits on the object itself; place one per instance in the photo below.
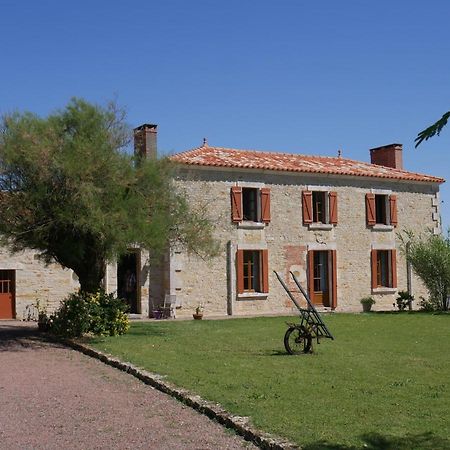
(212, 410)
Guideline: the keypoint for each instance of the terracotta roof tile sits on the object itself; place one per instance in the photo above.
(252, 159)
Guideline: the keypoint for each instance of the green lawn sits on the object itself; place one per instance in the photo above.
(383, 383)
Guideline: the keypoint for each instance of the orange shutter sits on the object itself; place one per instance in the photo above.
(394, 268)
(393, 209)
(307, 207)
(311, 274)
(265, 205)
(265, 270)
(370, 209)
(333, 280)
(236, 204)
(332, 197)
(240, 271)
(373, 268)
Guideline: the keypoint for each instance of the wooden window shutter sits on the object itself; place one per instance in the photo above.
(265, 271)
(240, 271)
(370, 210)
(310, 266)
(373, 268)
(332, 197)
(394, 268)
(333, 280)
(236, 204)
(393, 209)
(265, 205)
(307, 207)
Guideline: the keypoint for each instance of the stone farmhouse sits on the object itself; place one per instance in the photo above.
(332, 221)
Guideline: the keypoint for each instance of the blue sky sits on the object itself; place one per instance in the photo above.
(293, 76)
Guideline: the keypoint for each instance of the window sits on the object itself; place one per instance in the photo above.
(381, 209)
(319, 207)
(384, 269)
(252, 271)
(250, 204)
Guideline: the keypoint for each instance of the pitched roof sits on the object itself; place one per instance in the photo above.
(252, 159)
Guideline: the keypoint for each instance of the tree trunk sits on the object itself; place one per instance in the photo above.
(444, 301)
(90, 276)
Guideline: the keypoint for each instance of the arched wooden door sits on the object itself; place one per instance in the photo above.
(7, 294)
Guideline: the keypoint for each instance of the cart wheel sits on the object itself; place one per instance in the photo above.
(297, 340)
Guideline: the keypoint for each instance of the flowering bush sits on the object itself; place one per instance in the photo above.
(81, 313)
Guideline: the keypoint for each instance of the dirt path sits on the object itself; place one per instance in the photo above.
(52, 397)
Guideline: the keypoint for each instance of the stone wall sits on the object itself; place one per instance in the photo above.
(51, 283)
(213, 282)
(36, 281)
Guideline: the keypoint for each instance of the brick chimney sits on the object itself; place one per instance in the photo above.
(387, 155)
(145, 141)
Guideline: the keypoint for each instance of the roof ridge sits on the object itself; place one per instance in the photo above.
(270, 152)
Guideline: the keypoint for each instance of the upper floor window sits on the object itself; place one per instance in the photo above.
(319, 207)
(250, 204)
(381, 209)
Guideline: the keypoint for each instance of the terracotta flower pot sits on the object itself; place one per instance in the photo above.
(197, 316)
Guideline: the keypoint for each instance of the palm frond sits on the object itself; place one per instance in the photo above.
(432, 130)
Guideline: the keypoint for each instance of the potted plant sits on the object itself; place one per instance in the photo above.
(198, 315)
(367, 303)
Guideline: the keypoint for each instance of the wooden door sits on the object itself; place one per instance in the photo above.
(321, 285)
(7, 294)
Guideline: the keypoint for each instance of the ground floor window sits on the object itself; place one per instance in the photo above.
(252, 271)
(384, 269)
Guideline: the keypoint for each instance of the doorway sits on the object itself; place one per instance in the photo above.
(321, 292)
(322, 278)
(128, 280)
(7, 294)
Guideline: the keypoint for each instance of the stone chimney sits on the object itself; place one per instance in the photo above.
(387, 155)
(145, 141)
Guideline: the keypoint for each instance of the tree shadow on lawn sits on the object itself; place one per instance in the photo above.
(376, 441)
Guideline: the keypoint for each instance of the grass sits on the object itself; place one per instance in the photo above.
(383, 383)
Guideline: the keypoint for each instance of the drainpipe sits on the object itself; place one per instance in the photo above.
(231, 281)
(408, 274)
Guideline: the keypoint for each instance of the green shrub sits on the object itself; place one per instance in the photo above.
(100, 314)
(430, 304)
(404, 300)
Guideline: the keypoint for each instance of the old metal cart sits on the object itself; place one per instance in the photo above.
(299, 337)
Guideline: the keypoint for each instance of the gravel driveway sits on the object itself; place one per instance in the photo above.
(52, 397)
